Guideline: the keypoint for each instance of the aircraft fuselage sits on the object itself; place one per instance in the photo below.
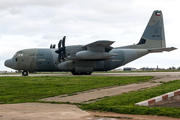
(47, 60)
(95, 56)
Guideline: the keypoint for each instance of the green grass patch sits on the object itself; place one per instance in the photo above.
(30, 89)
(125, 103)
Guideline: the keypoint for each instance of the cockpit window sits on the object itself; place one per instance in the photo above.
(20, 53)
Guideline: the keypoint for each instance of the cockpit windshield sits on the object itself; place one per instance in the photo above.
(20, 53)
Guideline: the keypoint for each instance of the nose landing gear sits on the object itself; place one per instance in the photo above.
(25, 73)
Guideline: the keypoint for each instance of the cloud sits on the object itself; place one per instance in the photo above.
(22, 3)
(39, 23)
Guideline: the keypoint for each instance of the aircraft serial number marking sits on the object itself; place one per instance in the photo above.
(156, 35)
(116, 60)
(41, 59)
(33, 54)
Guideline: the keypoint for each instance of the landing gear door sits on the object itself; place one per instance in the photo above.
(33, 64)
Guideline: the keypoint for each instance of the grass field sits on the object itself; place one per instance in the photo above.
(125, 103)
(30, 89)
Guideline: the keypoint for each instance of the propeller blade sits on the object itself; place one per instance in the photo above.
(59, 44)
(62, 57)
(61, 50)
(59, 56)
(63, 41)
(57, 51)
(63, 44)
(54, 46)
(51, 46)
(64, 53)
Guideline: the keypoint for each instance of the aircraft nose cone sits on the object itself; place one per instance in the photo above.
(8, 63)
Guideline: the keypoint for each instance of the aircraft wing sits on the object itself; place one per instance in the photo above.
(162, 49)
(101, 45)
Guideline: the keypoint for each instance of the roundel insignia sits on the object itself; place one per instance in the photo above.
(156, 31)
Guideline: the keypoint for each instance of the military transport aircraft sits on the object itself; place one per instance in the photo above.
(96, 56)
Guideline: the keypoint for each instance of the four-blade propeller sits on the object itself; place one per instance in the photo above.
(61, 50)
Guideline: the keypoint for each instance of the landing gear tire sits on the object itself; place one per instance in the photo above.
(88, 73)
(76, 73)
(80, 73)
(25, 73)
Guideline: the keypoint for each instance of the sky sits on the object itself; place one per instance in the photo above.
(39, 23)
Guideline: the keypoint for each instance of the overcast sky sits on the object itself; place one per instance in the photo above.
(39, 23)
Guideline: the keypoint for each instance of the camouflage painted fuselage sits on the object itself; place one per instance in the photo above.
(47, 60)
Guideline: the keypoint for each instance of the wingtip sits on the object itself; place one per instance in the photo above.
(174, 48)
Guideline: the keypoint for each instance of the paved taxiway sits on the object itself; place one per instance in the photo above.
(48, 111)
(110, 74)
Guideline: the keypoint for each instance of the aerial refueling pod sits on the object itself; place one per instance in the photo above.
(94, 55)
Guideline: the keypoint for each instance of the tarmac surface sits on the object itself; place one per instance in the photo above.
(174, 104)
(46, 111)
(41, 111)
(109, 74)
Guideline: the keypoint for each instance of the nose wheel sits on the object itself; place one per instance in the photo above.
(25, 73)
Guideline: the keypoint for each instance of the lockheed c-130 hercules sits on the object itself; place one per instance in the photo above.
(96, 56)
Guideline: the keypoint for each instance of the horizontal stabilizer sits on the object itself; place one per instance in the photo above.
(161, 49)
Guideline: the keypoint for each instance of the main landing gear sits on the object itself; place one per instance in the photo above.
(24, 73)
(81, 73)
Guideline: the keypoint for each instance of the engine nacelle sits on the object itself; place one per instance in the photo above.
(63, 66)
(66, 66)
(94, 55)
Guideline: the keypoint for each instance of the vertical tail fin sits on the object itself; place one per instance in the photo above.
(153, 36)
